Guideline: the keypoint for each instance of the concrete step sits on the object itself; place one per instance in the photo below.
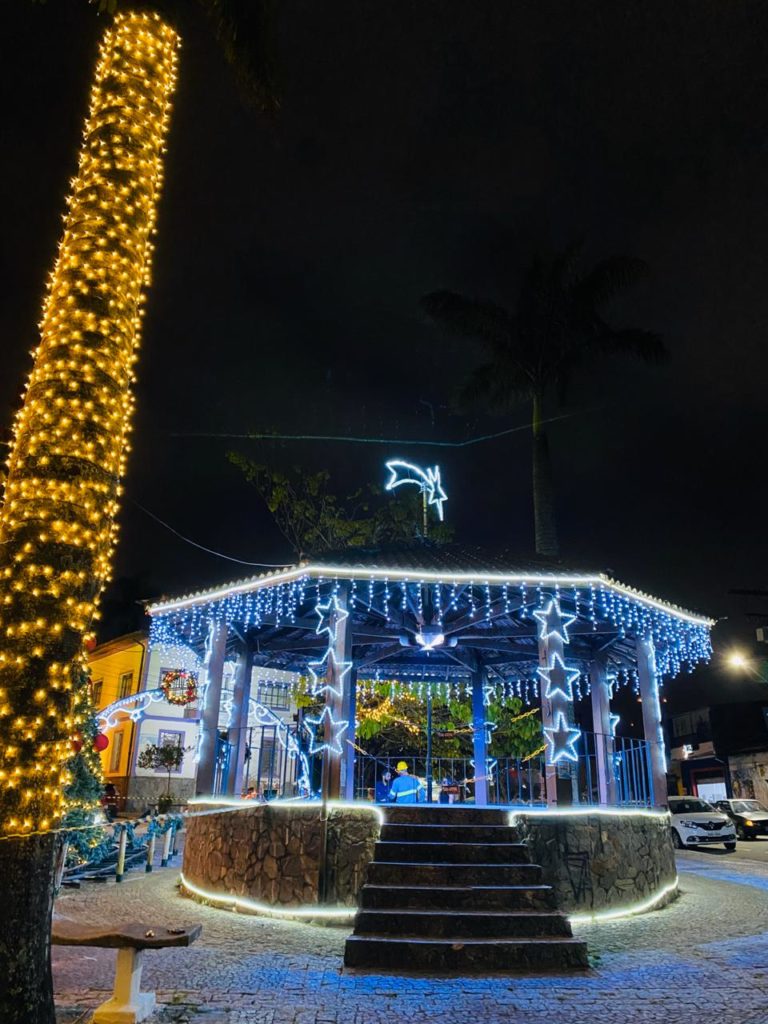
(444, 814)
(421, 833)
(461, 955)
(453, 853)
(468, 923)
(469, 897)
(447, 873)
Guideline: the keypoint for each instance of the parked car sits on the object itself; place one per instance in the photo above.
(695, 822)
(749, 817)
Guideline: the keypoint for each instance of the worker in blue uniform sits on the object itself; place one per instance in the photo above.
(406, 789)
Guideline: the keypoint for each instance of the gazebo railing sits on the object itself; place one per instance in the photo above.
(608, 771)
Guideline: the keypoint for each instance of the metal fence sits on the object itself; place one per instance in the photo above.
(608, 770)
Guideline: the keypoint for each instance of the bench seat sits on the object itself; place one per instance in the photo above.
(128, 1004)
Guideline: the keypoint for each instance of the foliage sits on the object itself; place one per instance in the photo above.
(556, 330)
(166, 757)
(313, 519)
(395, 723)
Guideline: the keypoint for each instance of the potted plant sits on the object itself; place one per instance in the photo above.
(165, 757)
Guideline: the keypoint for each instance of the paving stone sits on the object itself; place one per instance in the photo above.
(701, 960)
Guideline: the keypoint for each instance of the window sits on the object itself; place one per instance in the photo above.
(96, 689)
(125, 686)
(274, 695)
(117, 751)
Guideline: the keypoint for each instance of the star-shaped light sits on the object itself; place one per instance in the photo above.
(318, 670)
(325, 732)
(489, 692)
(331, 615)
(490, 728)
(561, 740)
(559, 678)
(613, 721)
(553, 622)
(427, 480)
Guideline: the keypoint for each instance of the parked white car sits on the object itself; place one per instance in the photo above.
(695, 822)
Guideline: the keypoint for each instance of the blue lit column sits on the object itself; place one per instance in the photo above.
(238, 730)
(348, 710)
(209, 722)
(338, 696)
(649, 694)
(557, 714)
(480, 747)
(602, 727)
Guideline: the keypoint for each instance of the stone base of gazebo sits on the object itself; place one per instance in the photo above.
(265, 858)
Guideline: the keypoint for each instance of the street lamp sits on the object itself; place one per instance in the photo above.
(740, 662)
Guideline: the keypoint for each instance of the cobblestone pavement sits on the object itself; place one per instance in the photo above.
(704, 959)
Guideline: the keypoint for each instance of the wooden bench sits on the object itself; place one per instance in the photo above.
(128, 1004)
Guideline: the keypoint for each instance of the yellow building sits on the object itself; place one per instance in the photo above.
(118, 669)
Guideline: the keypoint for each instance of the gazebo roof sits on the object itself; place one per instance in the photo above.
(485, 607)
(429, 563)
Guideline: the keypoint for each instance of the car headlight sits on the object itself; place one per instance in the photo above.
(749, 824)
(689, 824)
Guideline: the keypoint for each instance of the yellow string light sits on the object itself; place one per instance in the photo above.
(57, 523)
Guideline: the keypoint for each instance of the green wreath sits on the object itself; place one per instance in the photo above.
(179, 687)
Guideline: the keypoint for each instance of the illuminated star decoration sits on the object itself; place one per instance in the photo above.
(559, 678)
(490, 728)
(319, 673)
(553, 622)
(325, 732)
(427, 480)
(331, 615)
(613, 721)
(489, 692)
(561, 740)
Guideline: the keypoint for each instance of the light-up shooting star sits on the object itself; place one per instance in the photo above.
(427, 480)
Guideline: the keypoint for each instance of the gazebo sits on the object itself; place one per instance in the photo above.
(448, 619)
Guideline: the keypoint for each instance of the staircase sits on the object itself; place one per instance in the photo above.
(452, 889)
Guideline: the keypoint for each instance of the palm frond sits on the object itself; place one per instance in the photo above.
(246, 30)
(494, 388)
(470, 318)
(607, 278)
(631, 341)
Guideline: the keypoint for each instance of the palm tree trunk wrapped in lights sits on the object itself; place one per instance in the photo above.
(57, 523)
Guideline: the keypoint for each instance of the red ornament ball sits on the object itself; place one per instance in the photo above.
(77, 744)
(100, 741)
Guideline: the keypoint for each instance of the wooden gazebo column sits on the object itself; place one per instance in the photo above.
(209, 723)
(652, 730)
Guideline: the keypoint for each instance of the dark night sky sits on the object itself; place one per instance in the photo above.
(420, 145)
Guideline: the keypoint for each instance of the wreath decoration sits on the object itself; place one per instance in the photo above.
(179, 687)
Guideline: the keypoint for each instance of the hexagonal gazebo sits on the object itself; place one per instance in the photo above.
(453, 621)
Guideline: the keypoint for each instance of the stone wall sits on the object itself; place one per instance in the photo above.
(600, 861)
(145, 790)
(271, 853)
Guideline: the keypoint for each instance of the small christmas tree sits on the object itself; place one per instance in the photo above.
(82, 792)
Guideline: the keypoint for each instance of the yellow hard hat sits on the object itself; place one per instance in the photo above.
(402, 766)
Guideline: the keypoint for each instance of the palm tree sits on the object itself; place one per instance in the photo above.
(68, 457)
(556, 329)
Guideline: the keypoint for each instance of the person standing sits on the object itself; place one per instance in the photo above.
(407, 788)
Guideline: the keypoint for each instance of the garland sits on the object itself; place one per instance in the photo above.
(171, 689)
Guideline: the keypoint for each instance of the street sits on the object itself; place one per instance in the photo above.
(703, 959)
(749, 850)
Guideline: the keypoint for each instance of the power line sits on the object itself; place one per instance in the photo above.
(369, 440)
(201, 547)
